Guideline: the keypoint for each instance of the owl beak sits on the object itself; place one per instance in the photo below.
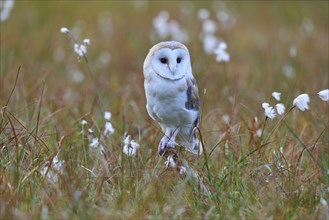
(172, 68)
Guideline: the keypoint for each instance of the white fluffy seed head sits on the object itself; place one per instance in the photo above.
(81, 50)
(324, 95)
(108, 128)
(94, 142)
(265, 105)
(280, 109)
(270, 113)
(129, 146)
(64, 30)
(276, 95)
(86, 41)
(221, 54)
(107, 115)
(203, 14)
(301, 102)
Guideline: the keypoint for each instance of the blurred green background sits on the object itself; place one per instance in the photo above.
(258, 41)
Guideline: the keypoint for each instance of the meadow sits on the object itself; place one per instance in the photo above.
(67, 118)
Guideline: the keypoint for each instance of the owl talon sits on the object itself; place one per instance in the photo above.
(164, 145)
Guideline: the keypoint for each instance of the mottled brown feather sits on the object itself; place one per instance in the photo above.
(193, 103)
(192, 93)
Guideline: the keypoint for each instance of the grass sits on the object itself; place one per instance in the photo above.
(283, 174)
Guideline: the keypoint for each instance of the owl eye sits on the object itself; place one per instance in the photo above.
(179, 60)
(163, 60)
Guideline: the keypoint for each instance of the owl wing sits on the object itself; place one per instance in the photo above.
(193, 104)
(193, 100)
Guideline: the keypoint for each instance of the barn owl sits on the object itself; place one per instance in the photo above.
(172, 95)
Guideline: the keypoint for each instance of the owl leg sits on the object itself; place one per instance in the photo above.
(168, 140)
(171, 142)
(163, 143)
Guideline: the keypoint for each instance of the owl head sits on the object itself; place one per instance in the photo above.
(169, 60)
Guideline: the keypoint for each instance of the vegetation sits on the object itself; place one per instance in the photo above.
(57, 163)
